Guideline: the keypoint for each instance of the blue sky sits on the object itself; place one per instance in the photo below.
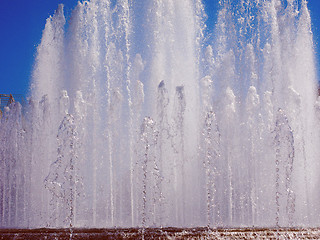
(22, 22)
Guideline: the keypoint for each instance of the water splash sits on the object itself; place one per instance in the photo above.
(215, 150)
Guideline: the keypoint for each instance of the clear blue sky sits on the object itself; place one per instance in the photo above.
(22, 22)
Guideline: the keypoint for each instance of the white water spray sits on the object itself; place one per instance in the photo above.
(136, 118)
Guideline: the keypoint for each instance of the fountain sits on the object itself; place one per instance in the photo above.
(139, 117)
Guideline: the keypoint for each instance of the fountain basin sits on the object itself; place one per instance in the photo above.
(161, 233)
